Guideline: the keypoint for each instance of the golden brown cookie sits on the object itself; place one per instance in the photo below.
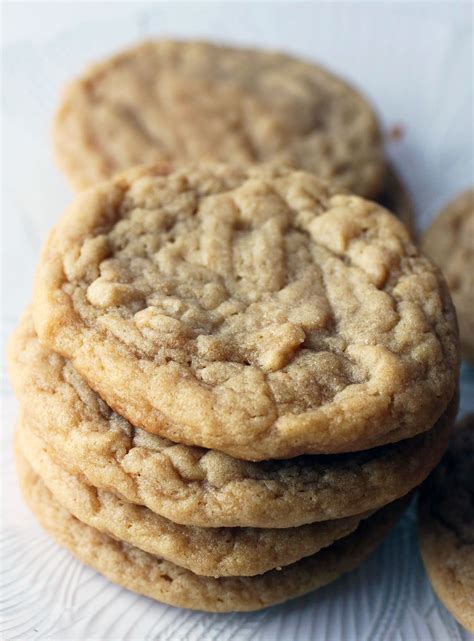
(449, 241)
(252, 311)
(205, 551)
(161, 580)
(188, 101)
(194, 486)
(446, 526)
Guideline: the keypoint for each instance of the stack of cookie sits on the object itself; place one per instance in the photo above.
(229, 379)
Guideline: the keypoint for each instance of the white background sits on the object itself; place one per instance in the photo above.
(415, 62)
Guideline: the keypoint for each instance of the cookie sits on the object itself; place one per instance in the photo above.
(201, 487)
(249, 310)
(396, 198)
(187, 101)
(205, 551)
(449, 241)
(164, 581)
(446, 526)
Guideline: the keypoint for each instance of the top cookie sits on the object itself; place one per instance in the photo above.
(188, 101)
(447, 525)
(252, 311)
(450, 243)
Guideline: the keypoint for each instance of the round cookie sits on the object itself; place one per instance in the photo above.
(188, 101)
(200, 487)
(161, 580)
(449, 241)
(396, 198)
(205, 551)
(446, 526)
(252, 311)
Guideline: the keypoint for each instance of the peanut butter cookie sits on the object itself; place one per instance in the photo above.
(446, 526)
(194, 486)
(249, 310)
(205, 551)
(449, 241)
(188, 101)
(164, 581)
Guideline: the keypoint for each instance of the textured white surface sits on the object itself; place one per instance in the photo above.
(414, 60)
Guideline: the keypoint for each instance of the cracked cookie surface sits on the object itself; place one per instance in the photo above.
(166, 582)
(449, 241)
(446, 526)
(187, 101)
(205, 551)
(194, 486)
(249, 310)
